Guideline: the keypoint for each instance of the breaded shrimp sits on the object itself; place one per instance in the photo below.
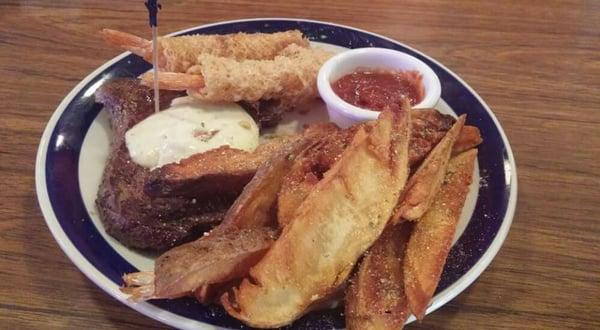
(289, 77)
(178, 54)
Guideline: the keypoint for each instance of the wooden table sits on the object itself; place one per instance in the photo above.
(537, 64)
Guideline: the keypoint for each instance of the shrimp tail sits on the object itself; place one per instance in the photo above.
(130, 42)
(139, 286)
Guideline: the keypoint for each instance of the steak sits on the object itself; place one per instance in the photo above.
(128, 214)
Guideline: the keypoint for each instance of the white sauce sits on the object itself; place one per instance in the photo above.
(188, 127)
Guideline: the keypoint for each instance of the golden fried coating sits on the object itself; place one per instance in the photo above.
(178, 54)
(429, 126)
(182, 51)
(342, 216)
(308, 169)
(312, 163)
(424, 184)
(212, 259)
(290, 77)
(254, 208)
(432, 235)
(469, 137)
(376, 298)
(176, 272)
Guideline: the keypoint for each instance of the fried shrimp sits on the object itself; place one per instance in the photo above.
(289, 77)
(178, 54)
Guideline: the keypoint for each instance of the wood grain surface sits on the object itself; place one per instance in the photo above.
(536, 63)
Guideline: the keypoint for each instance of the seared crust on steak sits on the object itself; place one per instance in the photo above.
(223, 170)
(128, 214)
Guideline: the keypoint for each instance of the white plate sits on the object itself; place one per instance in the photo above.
(74, 149)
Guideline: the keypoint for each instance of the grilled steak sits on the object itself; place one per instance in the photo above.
(128, 214)
(267, 113)
(217, 171)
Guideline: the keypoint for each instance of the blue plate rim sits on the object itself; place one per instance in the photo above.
(172, 319)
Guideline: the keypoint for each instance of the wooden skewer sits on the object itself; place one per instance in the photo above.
(173, 80)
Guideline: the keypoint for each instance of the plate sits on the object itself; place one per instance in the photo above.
(74, 148)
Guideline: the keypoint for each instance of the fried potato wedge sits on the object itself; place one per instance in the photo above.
(223, 170)
(231, 248)
(376, 298)
(308, 169)
(432, 235)
(429, 126)
(255, 207)
(469, 138)
(341, 217)
(424, 184)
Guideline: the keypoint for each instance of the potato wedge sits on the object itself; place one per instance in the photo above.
(308, 169)
(255, 207)
(376, 298)
(469, 137)
(424, 184)
(342, 216)
(429, 126)
(231, 248)
(432, 235)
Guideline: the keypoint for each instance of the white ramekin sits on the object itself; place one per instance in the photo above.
(345, 114)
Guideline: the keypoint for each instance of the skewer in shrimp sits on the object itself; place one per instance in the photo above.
(178, 54)
(289, 77)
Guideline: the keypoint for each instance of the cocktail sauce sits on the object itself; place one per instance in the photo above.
(378, 89)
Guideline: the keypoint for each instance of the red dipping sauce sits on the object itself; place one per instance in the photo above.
(378, 90)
